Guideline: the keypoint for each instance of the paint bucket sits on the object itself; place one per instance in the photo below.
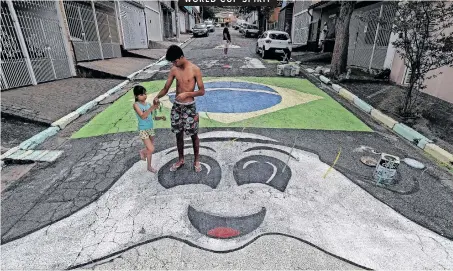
(287, 70)
(280, 69)
(295, 70)
(385, 172)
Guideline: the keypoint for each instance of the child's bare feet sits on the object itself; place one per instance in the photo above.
(151, 169)
(143, 154)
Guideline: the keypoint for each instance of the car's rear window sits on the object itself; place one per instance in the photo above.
(276, 36)
(200, 26)
(252, 27)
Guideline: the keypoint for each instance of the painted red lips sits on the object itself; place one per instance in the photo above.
(225, 227)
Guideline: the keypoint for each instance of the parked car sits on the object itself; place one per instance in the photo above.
(217, 25)
(200, 30)
(271, 42)
(242, 28)
(210, 25)
(251, 30)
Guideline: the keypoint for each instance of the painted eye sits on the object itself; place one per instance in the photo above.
(262, 169)
(210, 174)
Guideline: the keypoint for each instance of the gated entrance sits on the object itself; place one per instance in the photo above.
(32, 46)
(369, 34)
(133, 25)
(93, 29)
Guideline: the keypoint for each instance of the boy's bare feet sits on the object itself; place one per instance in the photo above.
(197, 166)
(177, 165)
(151, 169)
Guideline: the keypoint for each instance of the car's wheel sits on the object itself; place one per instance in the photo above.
(207, 34)
(264, 53)
(257, 49)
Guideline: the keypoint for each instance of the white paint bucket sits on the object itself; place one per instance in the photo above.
(280, 69)
(386, 169)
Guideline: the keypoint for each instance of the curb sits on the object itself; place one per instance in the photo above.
(400, 129)
(24, 151)
(39, 138)
(384, 119)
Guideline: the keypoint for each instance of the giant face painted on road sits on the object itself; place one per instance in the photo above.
(248, 187)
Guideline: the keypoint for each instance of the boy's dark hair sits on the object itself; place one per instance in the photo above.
(138, 89)
(173, 52)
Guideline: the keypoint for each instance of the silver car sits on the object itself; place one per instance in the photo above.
(210, 25)
(200, 30)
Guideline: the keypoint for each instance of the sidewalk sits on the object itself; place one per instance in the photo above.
(47, 102)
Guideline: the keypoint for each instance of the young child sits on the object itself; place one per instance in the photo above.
(144, 112)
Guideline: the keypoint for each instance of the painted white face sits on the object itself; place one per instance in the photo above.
(247, 188)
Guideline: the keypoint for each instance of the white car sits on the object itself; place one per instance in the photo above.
(271, 42)
(251, 30)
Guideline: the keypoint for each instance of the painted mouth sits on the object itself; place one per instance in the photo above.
(221, 227)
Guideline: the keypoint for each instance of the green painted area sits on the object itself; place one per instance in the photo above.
(323, 114)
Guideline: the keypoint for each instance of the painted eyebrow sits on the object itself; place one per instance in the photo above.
(189, 146)
(269, 149)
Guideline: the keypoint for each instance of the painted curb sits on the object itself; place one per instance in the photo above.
(439, 153)
(324, 79)
(9, 152)
(362, 105)
(347, 95)
(37, 139)
(134, 74)
(117, 88)
(101, 97)
(411, 135)
(400, 129)
(386, 120)
(86, 107)
(61, 123)
(336, 87)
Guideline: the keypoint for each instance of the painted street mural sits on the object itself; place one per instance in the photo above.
(249, 188)
(239, 102)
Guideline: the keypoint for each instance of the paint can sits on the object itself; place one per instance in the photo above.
(280, 69)
(295, 69)
(386, 168)
(287, 70)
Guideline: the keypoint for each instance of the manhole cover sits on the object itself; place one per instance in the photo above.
(369, 161)
(414, 163)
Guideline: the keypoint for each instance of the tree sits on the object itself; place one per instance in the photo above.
(424, 43)
(340, 51)
(208, 12)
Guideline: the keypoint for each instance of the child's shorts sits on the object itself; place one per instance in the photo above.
(144, 134)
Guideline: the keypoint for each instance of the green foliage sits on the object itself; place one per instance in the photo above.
(208, 13)
(425, 42)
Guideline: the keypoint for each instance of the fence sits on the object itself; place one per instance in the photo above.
(369, 35)
(93, 29)
(32, 45)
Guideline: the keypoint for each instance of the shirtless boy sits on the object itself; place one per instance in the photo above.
(184, 116)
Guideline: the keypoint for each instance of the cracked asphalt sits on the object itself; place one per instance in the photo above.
(90, 167)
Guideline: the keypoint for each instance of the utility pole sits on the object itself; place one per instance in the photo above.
(177, 21)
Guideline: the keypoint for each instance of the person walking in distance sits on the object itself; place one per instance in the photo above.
(226, 40)
(184, 116)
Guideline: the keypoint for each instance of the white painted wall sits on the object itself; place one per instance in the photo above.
(182, 22)
(153, 20)
(391, 50)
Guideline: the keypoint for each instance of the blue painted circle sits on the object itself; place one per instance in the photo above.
(235, 97)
